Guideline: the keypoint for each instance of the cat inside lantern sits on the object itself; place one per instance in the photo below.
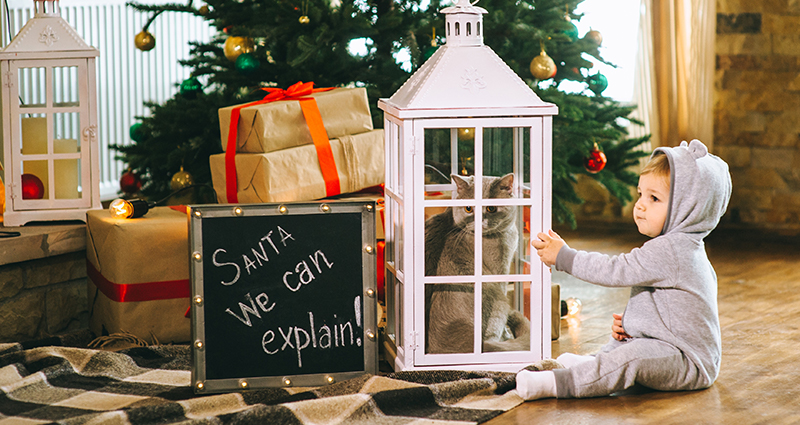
(450, 251)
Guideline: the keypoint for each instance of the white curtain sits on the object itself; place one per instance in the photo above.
(675, 70)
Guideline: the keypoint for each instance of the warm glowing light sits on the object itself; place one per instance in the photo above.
(330, 379)
(574, 306)
(121, 208)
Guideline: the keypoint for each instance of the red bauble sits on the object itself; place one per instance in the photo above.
(596, 160)
(130, 183)
(32, 187)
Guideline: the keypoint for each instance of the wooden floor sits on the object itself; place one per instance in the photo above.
(759, 307)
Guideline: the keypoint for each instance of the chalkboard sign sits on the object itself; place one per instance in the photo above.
(283, 294)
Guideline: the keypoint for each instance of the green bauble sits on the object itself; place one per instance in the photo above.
(570, 30)
(190, 87)
(137, 132)
(246, 63)
(597, 83)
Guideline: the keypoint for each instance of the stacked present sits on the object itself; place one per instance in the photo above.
(299, 144)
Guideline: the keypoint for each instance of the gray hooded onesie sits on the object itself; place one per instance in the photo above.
(672, 314)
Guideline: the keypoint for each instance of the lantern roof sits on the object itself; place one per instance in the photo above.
(465, 77)
(47, 33)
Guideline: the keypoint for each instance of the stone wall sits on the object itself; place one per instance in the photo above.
(43, 287)
(757, 110)
(43, 297)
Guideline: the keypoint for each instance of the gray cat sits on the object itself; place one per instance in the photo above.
(449, 251)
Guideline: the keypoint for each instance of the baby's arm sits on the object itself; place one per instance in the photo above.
(548, 246)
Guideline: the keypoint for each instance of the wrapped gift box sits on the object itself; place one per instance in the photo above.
(279, 125)
(294, 174)
(138, 273)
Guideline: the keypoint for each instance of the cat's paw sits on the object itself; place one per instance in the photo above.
(544, 364)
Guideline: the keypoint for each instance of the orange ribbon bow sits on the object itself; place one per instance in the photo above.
(308, 105)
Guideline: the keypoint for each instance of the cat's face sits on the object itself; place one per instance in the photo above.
(496, 218)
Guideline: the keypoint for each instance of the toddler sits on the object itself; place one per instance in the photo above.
(668, 337)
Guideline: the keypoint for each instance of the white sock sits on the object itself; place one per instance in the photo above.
(568, 359)
(535, 385)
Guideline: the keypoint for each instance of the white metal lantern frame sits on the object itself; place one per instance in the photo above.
(464, 85)
(49, 119)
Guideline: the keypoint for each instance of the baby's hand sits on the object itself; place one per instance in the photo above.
(547, 246)
(616, 328)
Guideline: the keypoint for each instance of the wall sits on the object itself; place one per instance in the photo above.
(757, 110)
(43, 288)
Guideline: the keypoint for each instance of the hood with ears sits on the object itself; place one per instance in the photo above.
(700, 188)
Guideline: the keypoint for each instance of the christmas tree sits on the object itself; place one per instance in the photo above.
(280, 42)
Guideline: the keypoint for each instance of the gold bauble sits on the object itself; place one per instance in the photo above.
(543, 67)
(594, 36)
(304, 20)
(235, 46)
(181, 179)
(465, 134)
(203, 10)
(144, 41)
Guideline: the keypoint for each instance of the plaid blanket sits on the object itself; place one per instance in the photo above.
(41, 383)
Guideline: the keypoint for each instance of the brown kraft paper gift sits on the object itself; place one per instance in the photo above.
(280, 125)
(139, 275)
(294, 174)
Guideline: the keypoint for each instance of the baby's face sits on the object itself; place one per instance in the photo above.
(650, 211)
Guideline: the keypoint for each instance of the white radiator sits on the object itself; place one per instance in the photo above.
(126, 76)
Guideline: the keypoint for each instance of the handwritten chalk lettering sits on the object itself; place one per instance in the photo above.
(298, 338)
(263, 303)
(259, 255)
(304, 273)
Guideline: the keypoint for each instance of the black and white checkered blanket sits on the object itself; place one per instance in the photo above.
(151, 385)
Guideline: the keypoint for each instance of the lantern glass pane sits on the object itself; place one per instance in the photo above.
(507, 150)
(506, 324)
(503, 239)
(67, 178)
(449, 318)
(448, 151)
(39, 170)
(391, 304)
(65, 86)
(66, 132)
(32, 87)
(33, 134)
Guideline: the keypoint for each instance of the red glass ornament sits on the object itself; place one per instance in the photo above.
(32, 187)
(130, 183)
(596, 160)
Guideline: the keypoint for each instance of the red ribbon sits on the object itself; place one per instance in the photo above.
(134, 292)
(315, 125)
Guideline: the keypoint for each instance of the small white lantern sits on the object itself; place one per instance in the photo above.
(49, 109)
(465, 112)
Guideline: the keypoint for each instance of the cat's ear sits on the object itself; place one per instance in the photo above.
(507, 182)
(462, 183)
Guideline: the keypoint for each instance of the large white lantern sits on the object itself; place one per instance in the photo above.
(465, 120)
(49, 110)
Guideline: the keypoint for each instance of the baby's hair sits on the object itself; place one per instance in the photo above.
(658, 165)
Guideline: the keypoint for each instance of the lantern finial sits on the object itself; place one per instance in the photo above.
(47, 7)
(463, 24)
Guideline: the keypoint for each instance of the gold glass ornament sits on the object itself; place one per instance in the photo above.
(203, 10)
(543, 67)
(235, 46)
(144, 41)
(304, 20)
(594, 36)
(181, 179)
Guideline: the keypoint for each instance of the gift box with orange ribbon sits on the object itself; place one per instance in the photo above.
(276, 123)
(328, 166)
(138, 274)
(295, 174)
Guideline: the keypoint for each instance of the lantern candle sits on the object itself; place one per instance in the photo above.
(66, 170)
